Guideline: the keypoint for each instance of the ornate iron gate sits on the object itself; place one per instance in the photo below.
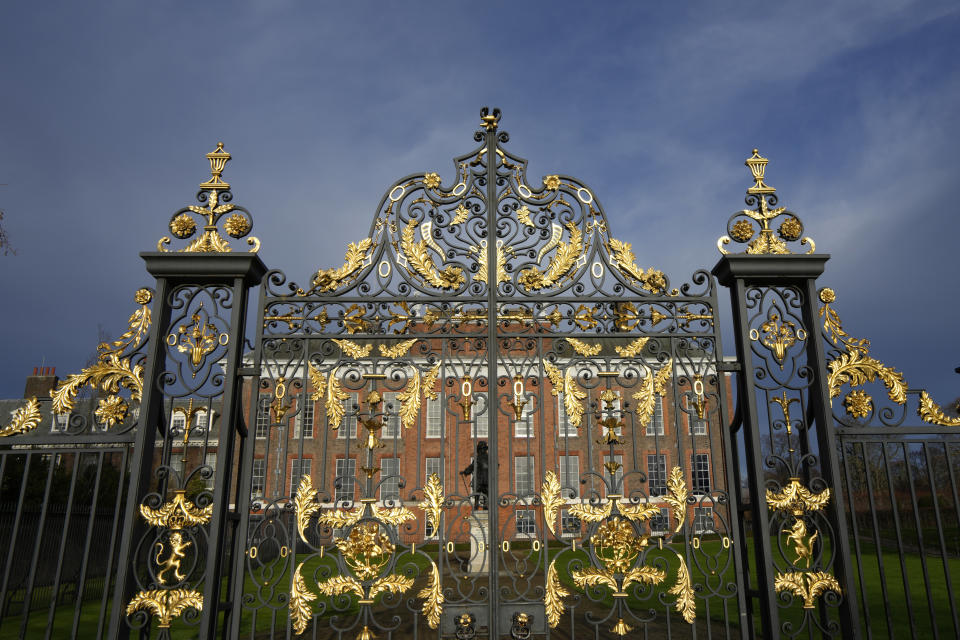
(311, 481)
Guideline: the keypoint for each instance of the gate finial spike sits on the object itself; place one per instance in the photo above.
(490, 121)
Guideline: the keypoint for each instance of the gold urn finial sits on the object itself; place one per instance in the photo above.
(218, 160)
(758, 165)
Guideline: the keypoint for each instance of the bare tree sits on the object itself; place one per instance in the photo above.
(5, 247)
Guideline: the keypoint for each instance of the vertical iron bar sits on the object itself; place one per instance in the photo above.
(28, 594)
(142, 461)
(877, 541)
(89, 538)
(943, 543)
(493, 489)
(923, 550)
(856, 535)
(54, 595)
(13, 538)
(829, 464)
(896, 522)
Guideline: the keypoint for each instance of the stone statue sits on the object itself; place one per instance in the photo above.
(479, 467)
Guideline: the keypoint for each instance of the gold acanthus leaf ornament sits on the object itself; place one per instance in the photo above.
(573, 396)
(560, 265)
(591, 513)
(797, 499)
(652, 279)
(583, 348)
(550, 495)
(392, 583)
(432, 598)
(177, 513)
(430, 380)
(23, 419)
(110, 374)
(432, 503)
(856, 368)
(632, 349)
(355, 258)
(306, 505)
(653, 385)
(523, 215)
(166, 604)
(410, 401)
(553, 596)
(353, 349)
(398, 350)
(808, 585)
(338, 585)
(340, 518)
(334, 402)
(419, 258)
(481, 253)
(686, 605)
(931, 412)
(300, 598)
(678, 495)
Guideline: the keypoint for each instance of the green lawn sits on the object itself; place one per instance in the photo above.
(272, 614)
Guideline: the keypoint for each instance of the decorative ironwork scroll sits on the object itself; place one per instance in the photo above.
(762, 240)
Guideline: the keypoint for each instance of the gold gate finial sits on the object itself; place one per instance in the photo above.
(218, 160)
(215, 195)
(489, 120)
(743, 225)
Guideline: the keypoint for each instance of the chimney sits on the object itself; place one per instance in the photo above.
(41, 384)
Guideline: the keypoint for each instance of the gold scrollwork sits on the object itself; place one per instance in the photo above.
(23, 419)
(111, 371)
(653, 385)
(553, 596)
(357, 256)
(795, 499)
(560, 265)
(573, 396)
(481, 252)
(778, 336)
(177, 513)
(166, 604)
(931, 412)
(583, 348)
(633, 349)
(766, 242)
(652, 279)
(678, 495)
(419, 258)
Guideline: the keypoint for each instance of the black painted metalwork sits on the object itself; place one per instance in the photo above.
(304, 483)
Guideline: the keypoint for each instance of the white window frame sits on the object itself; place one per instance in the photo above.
(434, 418)
(564, 428)
(569, 476)
(348, 419)
(478, 426)
(297, 471)
(695, 425)
(391, 417)
(659, 472)
(346, 471)
(262, 476)
(262, 425)
(663, 520)
(528, 465)
(523, 428)
(567, 530)
(702, 515)
(305, 420)
(390, 486)
(529, 519)
(696, 486)
(655, 427)
(60, 422)
(202, 421)
(178, 421)
(210, 460)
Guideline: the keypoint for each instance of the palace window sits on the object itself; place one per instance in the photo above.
(390, 478)
(346, 472)
(657, 474)
(523, 468)
(263, 416)
(700, 464)
(569, 471)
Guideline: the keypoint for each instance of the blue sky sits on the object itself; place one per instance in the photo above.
(108, 108)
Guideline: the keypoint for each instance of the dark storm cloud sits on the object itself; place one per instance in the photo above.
(107, 111)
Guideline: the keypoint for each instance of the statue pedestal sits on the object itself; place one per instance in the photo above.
(479, 542)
